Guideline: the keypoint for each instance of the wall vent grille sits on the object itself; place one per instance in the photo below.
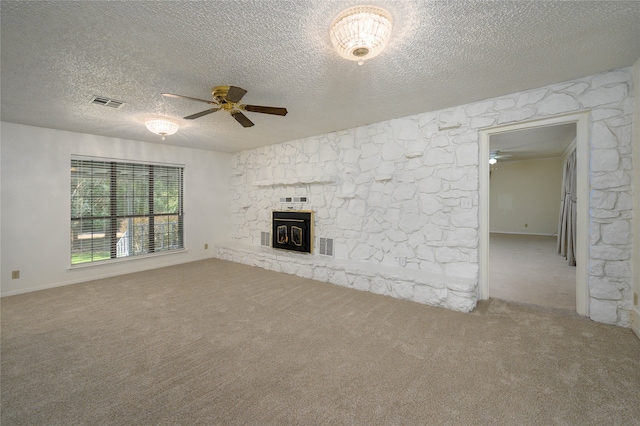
(111, 103)
(294, 199)
(326, 247)
(265, 239)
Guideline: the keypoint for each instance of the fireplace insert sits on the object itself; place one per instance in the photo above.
(292, 230)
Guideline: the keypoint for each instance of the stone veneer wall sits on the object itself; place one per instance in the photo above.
(400, 197)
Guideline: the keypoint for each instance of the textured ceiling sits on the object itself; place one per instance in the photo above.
(536, 143)
(56, 55)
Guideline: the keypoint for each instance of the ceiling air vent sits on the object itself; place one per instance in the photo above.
(111, 103)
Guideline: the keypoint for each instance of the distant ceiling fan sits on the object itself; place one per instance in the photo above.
(494, 156)
(228, 98)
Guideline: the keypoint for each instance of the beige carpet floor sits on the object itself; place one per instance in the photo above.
(528, 269)
(218, 343)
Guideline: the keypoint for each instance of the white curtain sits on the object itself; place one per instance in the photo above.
(567, 221)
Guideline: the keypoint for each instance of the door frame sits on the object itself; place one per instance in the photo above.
(581, 120)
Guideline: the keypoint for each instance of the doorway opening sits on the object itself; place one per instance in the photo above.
(499, 139)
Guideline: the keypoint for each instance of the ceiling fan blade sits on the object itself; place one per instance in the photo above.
(171, 95)
(235, 94)
(242, 119)
(201, 114)
(265, 109)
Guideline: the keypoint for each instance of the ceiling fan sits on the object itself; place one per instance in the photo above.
(227, 98)
(494, 156)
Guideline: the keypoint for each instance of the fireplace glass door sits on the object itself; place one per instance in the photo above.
(293, 230)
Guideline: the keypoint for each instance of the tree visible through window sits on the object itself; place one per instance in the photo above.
(124, 209)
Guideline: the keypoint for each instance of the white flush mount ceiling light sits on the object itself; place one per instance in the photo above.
(361, 32)
(162, 127)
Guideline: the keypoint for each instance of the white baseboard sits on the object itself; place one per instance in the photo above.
(635, 321)
(523, 233)
(101, 275)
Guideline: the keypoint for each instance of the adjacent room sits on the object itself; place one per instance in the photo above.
(315, 212)
(528, 259)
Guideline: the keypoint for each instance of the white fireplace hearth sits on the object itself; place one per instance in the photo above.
(419, 286)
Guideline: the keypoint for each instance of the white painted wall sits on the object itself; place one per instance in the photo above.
(636, 195)
(35, 209)
(526, 193)
(409, 189)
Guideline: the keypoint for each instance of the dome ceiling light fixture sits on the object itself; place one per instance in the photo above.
(162, 127)
(361, 32)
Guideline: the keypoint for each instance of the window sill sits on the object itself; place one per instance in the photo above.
(124, 259)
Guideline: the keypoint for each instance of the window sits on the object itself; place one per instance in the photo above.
(124, 209)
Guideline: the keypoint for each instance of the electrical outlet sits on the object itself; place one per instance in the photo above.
(206, 246)
(402, 261)
(526, 225)
(635, 299)
(15, 275)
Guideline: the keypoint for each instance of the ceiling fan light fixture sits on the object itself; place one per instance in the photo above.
(493, 160)
(162, 127)
(361, 32)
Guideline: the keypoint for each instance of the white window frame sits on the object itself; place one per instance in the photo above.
(124, 209)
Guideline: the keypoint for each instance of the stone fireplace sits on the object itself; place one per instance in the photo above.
(292, 230)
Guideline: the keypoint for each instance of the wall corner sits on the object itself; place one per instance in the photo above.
(635, 314)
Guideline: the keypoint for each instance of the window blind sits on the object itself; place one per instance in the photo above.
(124, 209)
